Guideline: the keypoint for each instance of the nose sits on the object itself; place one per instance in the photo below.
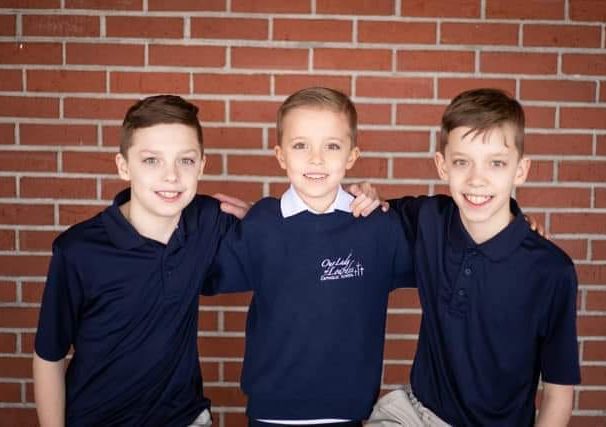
(316, 157)
(171, 172)
(476, 176)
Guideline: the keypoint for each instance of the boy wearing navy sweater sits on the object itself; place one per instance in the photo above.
(123, 286)
(320, 277)
(499, 301)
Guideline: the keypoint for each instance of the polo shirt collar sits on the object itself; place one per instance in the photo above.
(124, 235)
(499, 246)
(291, 203)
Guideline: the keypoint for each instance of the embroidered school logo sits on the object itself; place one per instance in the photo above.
(341, 268)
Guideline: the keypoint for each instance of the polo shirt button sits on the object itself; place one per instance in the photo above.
(467, 271)
(461, 292)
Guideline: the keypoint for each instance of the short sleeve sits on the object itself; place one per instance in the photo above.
(61, 301)
(559, 353)
(403, 263)
(408, 208)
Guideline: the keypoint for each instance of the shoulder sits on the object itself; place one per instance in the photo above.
(264, 209)
(79, 236)
(546, 255)
(206, 210)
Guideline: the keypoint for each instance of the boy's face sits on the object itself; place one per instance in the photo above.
(482, 170)
(163, 166)
(316, 151)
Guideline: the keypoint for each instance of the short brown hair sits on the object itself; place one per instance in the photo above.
(481, 110)
(155, 110)
(319, 97)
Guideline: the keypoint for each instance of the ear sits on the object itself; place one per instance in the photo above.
(522, 170)
(354, 154)
(202, 164)
(440, 161)
(280, 156)
(122, 165)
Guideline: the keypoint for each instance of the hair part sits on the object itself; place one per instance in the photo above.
(319, 97)
(482, 110)
(155, 110)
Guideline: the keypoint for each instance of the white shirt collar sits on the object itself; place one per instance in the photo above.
(292, 204)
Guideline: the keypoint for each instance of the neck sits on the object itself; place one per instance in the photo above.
(481, 233)
(159, 229)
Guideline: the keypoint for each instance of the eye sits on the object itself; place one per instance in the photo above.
(499, 163)
(150, 161)
(298, 146)
(459, 162)
(188, 162)
(333, 146)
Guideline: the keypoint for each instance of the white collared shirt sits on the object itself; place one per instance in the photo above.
(292, 204)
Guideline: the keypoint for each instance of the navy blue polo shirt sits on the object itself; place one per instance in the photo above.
(496, 316)
(128, 305)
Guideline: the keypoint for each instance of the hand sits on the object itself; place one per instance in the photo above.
(536, 226)
(232, 205)
(366, 199)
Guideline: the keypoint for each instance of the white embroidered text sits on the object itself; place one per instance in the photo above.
(341, 268)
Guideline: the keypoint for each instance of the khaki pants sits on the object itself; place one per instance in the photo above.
(401, 408)
(203, 420)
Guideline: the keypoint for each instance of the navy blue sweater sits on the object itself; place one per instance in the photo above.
(316, 323)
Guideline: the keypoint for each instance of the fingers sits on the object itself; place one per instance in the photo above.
(354, 189)
(384, 206)
(231, 200)
(232, 205)
(364, 205)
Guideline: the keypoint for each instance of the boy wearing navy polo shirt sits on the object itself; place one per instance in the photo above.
(123, 286)
(320, 277)
(499, 301)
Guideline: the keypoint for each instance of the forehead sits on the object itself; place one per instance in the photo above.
(300, 117)
(165, 136)
(497, 139)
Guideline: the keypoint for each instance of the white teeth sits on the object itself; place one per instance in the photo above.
(168, 194)
(315, 175)
(477, 200)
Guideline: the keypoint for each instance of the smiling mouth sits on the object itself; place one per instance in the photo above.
(169, 196)
(477, 200)
(316, 176)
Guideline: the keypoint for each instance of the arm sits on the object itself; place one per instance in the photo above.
(49, 391)
(232, 205)
(556, 405)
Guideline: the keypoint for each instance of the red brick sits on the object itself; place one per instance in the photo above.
(586, 64)
(10, 80)
(399, 349)
(598, 249)
(578, 223)
(105, 54)
(394, 87)
(393, 140)
(593, 375)
(523, 63)
(35, 240)
(595, 350)
(65, 81)
(56, 135)
(89, 162)
(592, 399)
(7, 25)
(591, 326)
(540, 117)
(19, 416)
(554, 197)
(576, 249)
(241, 299)
(253, 111)
(211, 111)
(558, 144)
(352, 59)
(557, 90)
(540, 170)
(234, 321)
(442, 8)
(30, 53)
(132, 82)
(414, 168)
(16, 106)
(419, 114)
(221, 346)
(7, 133)
(287, 84)
(478, 34)
(591, 274)
(247, 191)
(61, 25)
(187, 56)
(369, 167)
(105, 4)
(8, 343)
(435, 61)
(520, 9)
(233, 137)
(356, 7)
(111, 187)
(10, 392)
(144, 27)
(601, 145)
(585, 171)
(253, 165)
(396, 374)
(234, 419)
(27, 345)
(232, 371)
(600, 197)
(208, 321)
(22, 214)
(8, 186)
(403, 323)
(590, 118)
(31, 4)
(271, 6)
(210, 372)
(396, 32)
(19, 317)
(58, 188)
(226, 396)
(8, 293)
(276, 189)
(376, 114)
(72, 214)
(32, 291)
(587, 10)
(214, 164)
(258, 57)
(187, 5)
(7, 240)
(323, 30)
(403, 297)
(581, 36)
(255, 84)
(98, 109)
(449, 87)
(28, 161)
(596, 300)
(229, 28)
(21, 265)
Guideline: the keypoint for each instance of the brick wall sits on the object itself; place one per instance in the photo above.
(70, 68)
